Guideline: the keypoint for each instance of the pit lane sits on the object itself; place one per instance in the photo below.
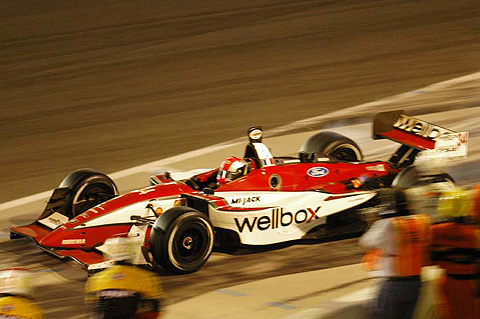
(445, 56)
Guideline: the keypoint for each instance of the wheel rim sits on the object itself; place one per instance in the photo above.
(190, 244)
(89, 196)
(346, 154)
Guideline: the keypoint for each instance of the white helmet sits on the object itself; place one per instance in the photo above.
(232, 168)
(15, 281)
(120, 249)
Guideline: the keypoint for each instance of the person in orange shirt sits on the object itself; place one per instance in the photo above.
(455, 248)
(403, 239)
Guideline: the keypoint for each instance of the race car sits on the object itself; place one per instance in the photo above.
(266, 200)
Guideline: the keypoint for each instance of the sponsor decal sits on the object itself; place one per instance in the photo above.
(245, 200)
(73, 241)
(267, 162)
(318, 171)
(452, 145)
(118, 276)
(378, 168)
(55, 221)
(8, 307)
(146, 190)
(277, 218)
(419, 127)
(115, 293)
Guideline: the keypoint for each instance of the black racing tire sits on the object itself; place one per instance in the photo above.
(410, 177)
(182, 240)
(333, 145)
(87, 189)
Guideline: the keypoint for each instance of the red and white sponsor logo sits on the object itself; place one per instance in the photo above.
(451, 145)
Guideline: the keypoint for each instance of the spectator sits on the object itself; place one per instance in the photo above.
(476, 204)
(124, 291)
(403, 239)
(455, 248)
(15, 295)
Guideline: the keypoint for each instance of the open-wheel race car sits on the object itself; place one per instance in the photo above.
(256, 200)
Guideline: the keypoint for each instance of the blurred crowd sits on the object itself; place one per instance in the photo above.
(427, 257)
(424, 249)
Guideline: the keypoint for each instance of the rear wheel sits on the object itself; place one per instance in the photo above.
(410, 177)
(183, 241)
(334, 145)
(424, 191)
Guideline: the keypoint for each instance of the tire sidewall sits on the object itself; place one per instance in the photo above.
(344, 144)
(177, 228)
(84, 180)
(327, 142)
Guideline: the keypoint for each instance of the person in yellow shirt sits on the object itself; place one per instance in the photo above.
(15, 296)
(124, 291)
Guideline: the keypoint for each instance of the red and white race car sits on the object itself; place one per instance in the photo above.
(176, 223)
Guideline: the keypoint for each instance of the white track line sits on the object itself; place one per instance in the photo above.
(216, 147)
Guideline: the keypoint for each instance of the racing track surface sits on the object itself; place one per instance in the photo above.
(112, 85)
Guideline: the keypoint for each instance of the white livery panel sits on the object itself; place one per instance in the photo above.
(283, 216)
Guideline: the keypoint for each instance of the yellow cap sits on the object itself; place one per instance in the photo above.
(455, 203)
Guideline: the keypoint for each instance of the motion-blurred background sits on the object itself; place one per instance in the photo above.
(112, 84)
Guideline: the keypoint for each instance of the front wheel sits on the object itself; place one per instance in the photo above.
(182, 240)
(87, 189)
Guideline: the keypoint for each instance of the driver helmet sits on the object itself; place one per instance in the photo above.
(120, 249)
(455, 203)
(16, 282)
(231, 169)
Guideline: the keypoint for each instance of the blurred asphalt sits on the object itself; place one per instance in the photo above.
(114, 84)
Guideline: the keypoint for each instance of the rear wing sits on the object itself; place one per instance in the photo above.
(417, 135)
(407, 130)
